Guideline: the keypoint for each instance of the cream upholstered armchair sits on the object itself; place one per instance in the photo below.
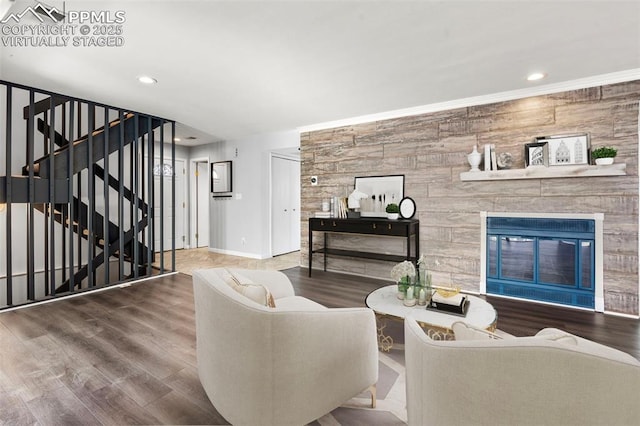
(553, 378)
(287, 365)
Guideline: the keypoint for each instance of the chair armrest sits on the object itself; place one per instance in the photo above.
(590, 347)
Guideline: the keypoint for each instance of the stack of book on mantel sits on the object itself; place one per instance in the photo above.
(457, 304)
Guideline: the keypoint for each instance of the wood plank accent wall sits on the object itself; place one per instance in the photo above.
(431, 151)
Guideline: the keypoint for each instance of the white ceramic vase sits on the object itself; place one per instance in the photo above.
(474, 159)
(392, 216)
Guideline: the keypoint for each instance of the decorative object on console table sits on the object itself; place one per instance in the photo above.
(339, 207)
(567, 150)
(474, 159)
(393, 211)
(604, 155)
(407, 208)
(353, 203)
(383, 190)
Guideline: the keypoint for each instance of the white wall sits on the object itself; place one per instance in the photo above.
(247, 214)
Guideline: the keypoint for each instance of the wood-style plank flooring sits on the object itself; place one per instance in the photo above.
(520, 318)
(127, 355)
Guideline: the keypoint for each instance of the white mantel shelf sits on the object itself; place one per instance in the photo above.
(542, 172)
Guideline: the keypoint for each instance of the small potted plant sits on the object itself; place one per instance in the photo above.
(604, 155)
(393, 211)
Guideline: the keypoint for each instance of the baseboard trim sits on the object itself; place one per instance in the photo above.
(238, 253)
(86, 292)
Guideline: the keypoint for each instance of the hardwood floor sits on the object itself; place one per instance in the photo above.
(520, 318)
(127, 355)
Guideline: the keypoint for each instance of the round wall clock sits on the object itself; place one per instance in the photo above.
(407, 208)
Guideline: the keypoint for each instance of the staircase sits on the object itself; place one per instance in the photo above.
(93, 192)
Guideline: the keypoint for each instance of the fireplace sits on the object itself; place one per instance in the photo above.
(549, 258)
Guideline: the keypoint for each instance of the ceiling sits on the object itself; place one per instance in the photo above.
(231, 69)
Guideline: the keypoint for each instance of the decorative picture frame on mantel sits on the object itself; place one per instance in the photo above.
(567, 150)
(381, 191)
(536, 154)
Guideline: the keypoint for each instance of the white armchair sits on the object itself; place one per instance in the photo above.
(278, 366)
(537, 380)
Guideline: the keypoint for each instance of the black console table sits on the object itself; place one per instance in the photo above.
(368, 226)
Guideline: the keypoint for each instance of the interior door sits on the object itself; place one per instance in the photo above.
(202, 204)
(165, 172)
(294, 197)
(285, 205)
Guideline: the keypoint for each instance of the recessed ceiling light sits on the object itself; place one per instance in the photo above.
(145, 79)
(536, 76)
(177, 139)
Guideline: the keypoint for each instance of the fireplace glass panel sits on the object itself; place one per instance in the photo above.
(517, 258)
(557, 261)
(493, 254)
(587, 253)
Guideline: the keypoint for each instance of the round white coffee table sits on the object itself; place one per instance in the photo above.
(437, 324)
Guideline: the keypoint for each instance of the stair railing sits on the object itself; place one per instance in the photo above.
(73, 225)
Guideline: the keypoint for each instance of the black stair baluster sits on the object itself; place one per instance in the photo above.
(45, 214)
(120, 200)
(30, 211)
(91, 194)
(151, 192)
(79, 185)
(51, 213)
(173, 196)
(8, 168)
(106, 221)
(71, 215)
(134, 187)
(161, 205)
(145, 199)
(63, 254)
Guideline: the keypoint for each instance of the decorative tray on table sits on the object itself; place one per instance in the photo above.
(454, 304)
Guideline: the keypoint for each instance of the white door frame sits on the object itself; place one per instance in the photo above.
(271, 156)
(193, 214)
